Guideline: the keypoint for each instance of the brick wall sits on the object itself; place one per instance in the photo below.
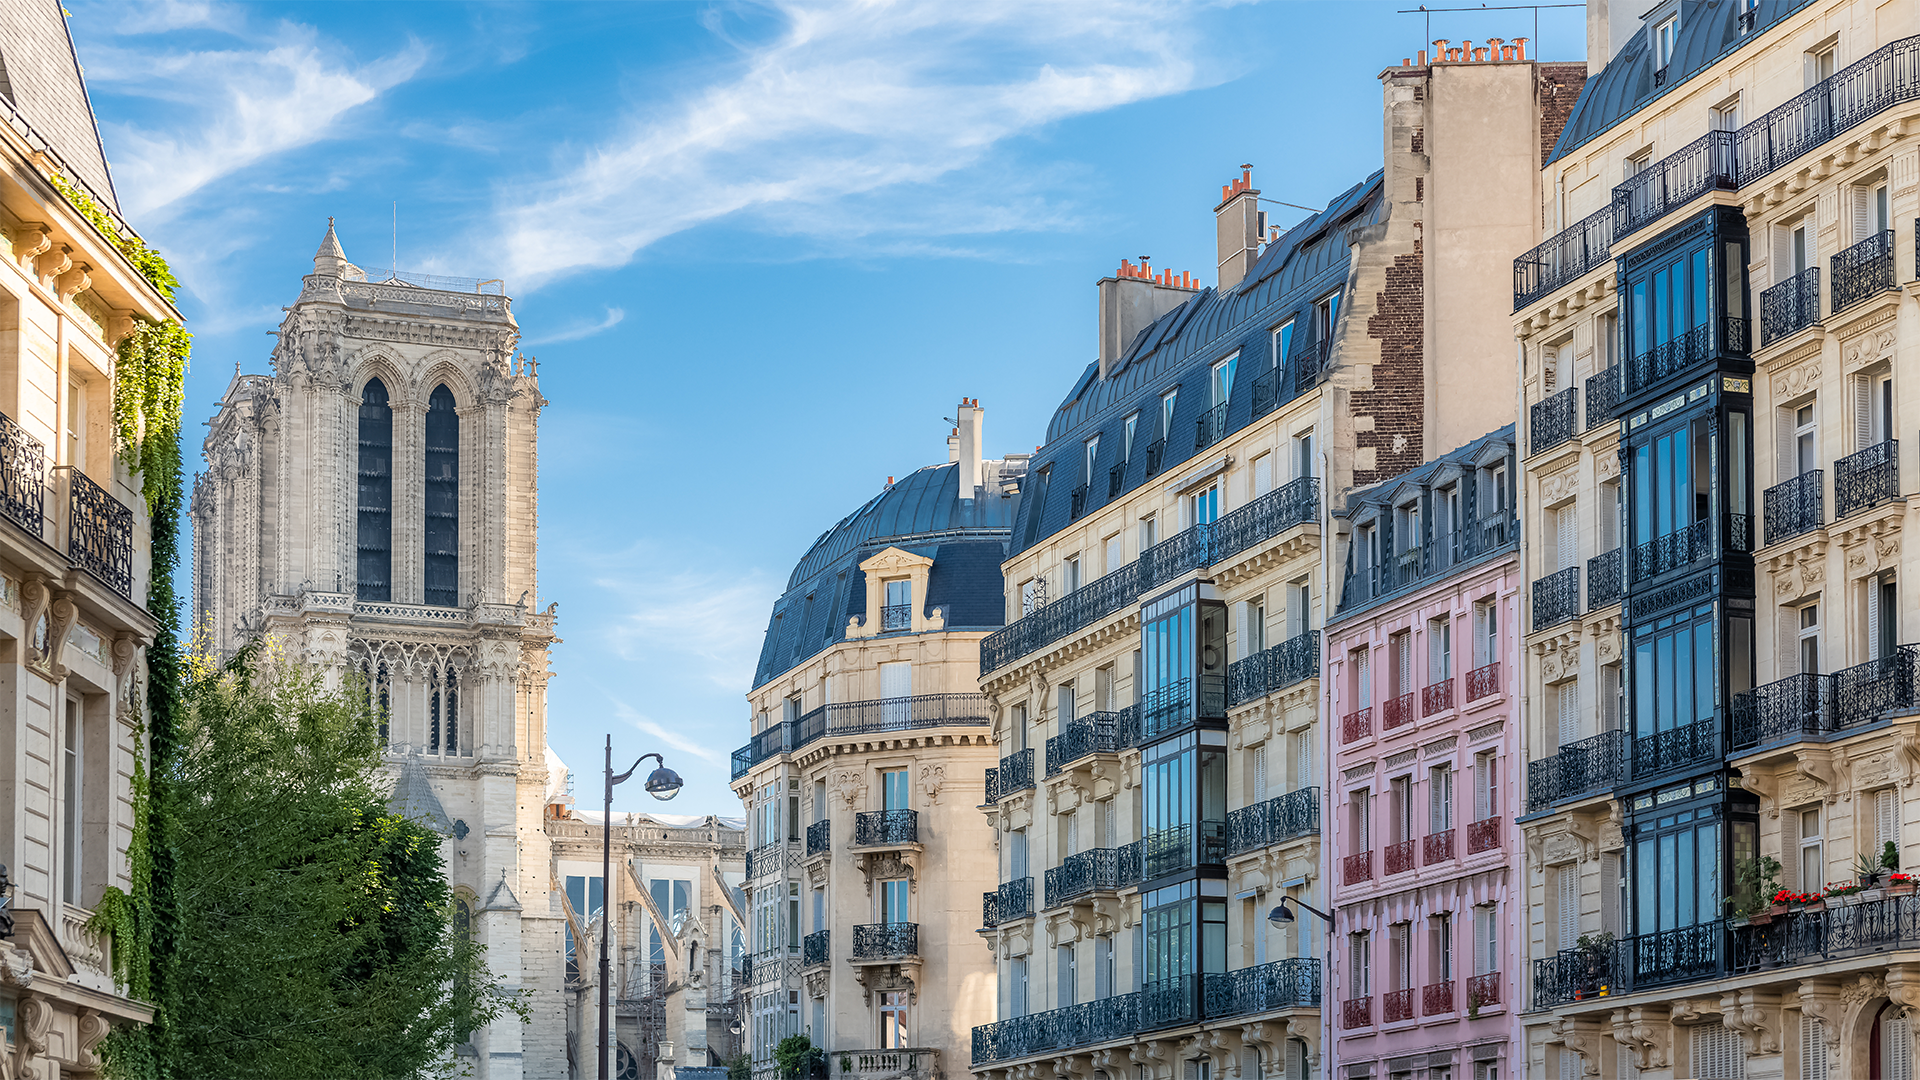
(1397, 401)
(1559, 88)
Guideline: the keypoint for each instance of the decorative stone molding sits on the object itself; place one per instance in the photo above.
(1560, 486)
(892, 563)
(933, 776)
(1582, 1036)
(1797, 374)
(1754, 1013)
(850, 784)
(1820, 999)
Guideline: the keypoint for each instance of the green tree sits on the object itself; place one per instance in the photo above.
(316, 934)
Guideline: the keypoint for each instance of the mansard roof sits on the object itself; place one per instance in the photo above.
(43, 87)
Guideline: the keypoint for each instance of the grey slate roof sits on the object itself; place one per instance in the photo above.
(40, 82)
(413, 797)
(1709, 30)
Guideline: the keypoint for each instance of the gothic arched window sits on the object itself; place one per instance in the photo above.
(443, 500)
(443, 710)
(375, 540)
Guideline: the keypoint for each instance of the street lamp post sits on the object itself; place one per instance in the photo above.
(663, 783)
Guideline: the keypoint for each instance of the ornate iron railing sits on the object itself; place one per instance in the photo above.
(1016, 773)
(1307, 362)
(1436, 697)
(896, 617)
(1166, 708)
(1356, 868)
(858, 717)
(1436, 998)
(1357, 725)
(1564, 258)
(1865, 692)
(1272, 821)
(1396, 1005)
(1089, 733)
(1396, 712)
(1739, 532)
(23, 477)
(1083, 873)
(1792, 305)
(1681, 547)
(1016, 899)
(1051, 622)
(1603, 389)
(1165, 851)
(1603, 579)
(765, 859)
(1580, 768)
(1786, 709)
(1437, 847)
(1282, 984)
(1292, 661)
(1550, 420)
(1842, 930)
(1127, 865)
(992, 786)
(1673, 956)
(1575, 975)
(1116, 479)
(1086, 1024)
(1266, 391)
(1156, 456)
(1556, 598)
(1703, 165)
(1688, 744)
(1796, 506)
(1483, 835)
(813, 949)
(886, 941)
(1483, 681)
(818, 842)
(1211, 427)
(1187, 550)
(1866, 478)
(1400, 858)
(1356, 1013)
(1296, 502)
(100, 533)
(1691, 347)
(1483, 990)
(881, 828)
(1077, 502)
(1862, 270)
(1168, 1003)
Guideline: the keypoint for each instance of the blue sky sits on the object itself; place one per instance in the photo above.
(760, 250)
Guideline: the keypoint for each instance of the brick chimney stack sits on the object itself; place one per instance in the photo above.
(1239, 225)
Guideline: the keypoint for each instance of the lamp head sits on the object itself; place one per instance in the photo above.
(663, 783)
(1282, 915)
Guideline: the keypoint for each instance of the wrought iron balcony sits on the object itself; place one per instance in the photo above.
(1681, 547)
(1083, 873)
(1166, 851)
(1016, 773)
(1116, 479)
(1273, 821)
(1785, 710)
(886, 941)
(1550, 421)
(23, 477)
(766, 859)
(1282, 984)
(1127, 865)
(992, 786)
(1690, 348)
(896, 617)
(1564, 258)
(1575, 975)
(1556, 598)
(814, 951)
(1865, 692)
(1867, 478)
(1307, 362)
(1211, 427)
(1169, 1003)
(1105, 1019)
(1843, 930)
(886, 828)
(1357, 725)
(1399, 857)
(1156, 456)
(99, 533)
(1356, 868)
(1603, 579)
(1790, 306)
(1703, 165)
(1483, 835)
(1014, 900)
(1483, 990)
(818, 838)
(1437, 847)
(1675, 748)
(1396, 1005)
(1795, 507)
(1087, 734)
(1580, 768)
(1296, 502)
(1356, 1013)
(1436, 999)
(1483, 681)
(1436, 697)
(1292, 661)
(1397, 712)
(1077, 502)
(1603, 389)
(1862, 270)
(860, 717)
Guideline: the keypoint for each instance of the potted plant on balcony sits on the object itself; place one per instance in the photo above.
(1838, 889)
(1756, 890)
(1590, 974)
(1899, 884)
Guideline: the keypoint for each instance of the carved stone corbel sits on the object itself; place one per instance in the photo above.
(1645, 1032)
(1582, 1036)
(92, 1028)
(1821, 1000)
(52, 263)
(74, 282)
(31, 240)
(1756, 1015)
(1816, 766)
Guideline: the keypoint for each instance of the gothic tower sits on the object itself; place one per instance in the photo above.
(372, 506)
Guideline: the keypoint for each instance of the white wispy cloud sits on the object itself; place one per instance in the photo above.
(582, 328)
(646, 725)
(227, 108)
(702, 627)
(848, 99)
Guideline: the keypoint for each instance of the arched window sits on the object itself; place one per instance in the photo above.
(375, 541)
(443, 500)
(378, 699)
(443, 710)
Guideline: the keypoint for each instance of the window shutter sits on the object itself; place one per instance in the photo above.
(1872, 587)
(1813, 1048)
(1436, 801)
(1790, 853)
(1568, 698)
(1861, 198)
(1569, 1064)
(1781, 255)
(1302, 760)
(1260, 773)
(1296, 1060)
(1860, 389)
(1718, 1053)
(1787, 660)
(1482, 789)
(1567, 898)
(1896, 1054)
(1610, 892)
(1404, 646)
(1568, 540)
(1263, 475)
(1109, 818)
(1624, 1067)
(1886, 820)
(1789, 455)
(1357, 963)
(1073, 834)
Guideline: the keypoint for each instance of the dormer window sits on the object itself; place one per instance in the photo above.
(1126, 438)
(1093, 456)
(1166, 412)
(1663, 37)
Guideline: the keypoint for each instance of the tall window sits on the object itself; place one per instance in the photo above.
(1093, 456)
(443, 710)
(1813, 867)
(1167, 401)
(1222, 382)
(1126, 439)
(443, 500)
(375, 540)
(893, 1019)
(70, 820)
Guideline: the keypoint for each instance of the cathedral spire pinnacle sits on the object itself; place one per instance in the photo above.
(330, 260)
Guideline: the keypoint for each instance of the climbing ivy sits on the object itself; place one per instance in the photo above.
(144, 259)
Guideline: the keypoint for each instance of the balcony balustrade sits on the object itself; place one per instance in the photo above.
(23, 477)
(1356, 868)
(860, 717)
(1690, 348)
(1013, 900)
(1681, 547)
(1785, 710)
(1581, 768)
(1077, 502)
(1603, 389)
(1790, 306)
(1116, 479)
(1436, 999)
(1437, 847)
(886, 828)
(766, 859)
(1397, 712)
(1211, 427)
(912, 1063)
(1307, 362)
(1862, 270)
(1283, 984)
(1016, 773)
(1483, 990)
(1274, 821)
(1865, 692)
(99, 533)
(1356, 1013)
(1603, 579)
(814, 951)
(886, 941)
(817, 838)
(1357, 725)
(895, 617)
(1483, 681)
(1168, 851)
(1086, 1024)
(1156, 456)
(1396, 1005)
(1556, 598)
(992, 786)
(1399, 857)
(1483, 835)
(1564, 258)
(1292, 661)
(1706, 164)
(1550, 421)
(1168, 1003)
(1085, 735)
(1866, 479)
(1843, 930)
(1675, 748)
(1097, 870)
(1436, 697)
(1128, 865)
(1796, 506)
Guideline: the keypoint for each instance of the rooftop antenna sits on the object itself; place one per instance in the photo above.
(393, 268)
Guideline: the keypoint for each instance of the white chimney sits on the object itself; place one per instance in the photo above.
(972, 424)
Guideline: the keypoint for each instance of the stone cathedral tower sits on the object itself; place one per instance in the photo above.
(372, 504)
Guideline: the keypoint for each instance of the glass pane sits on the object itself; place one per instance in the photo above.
(1644, 688)
(1700, 282)
(1703, 669)
(1664, 673)
(1669, 879)
(1642, 494)
(1682, 676)
(1639, 317)
(1684, 911)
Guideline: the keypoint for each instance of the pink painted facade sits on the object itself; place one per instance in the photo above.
(1425, 864)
